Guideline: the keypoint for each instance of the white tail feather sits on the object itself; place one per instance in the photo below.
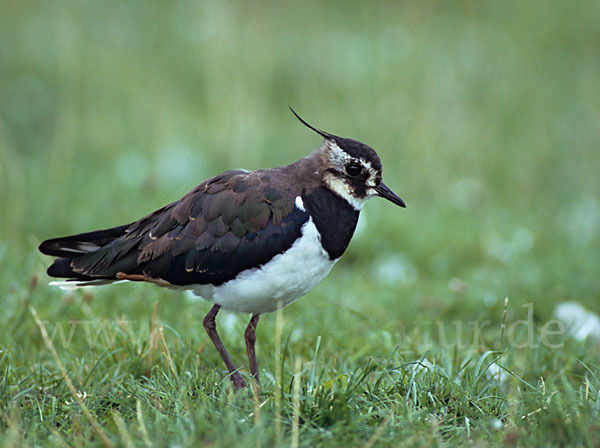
(78, 248)
(70, 285)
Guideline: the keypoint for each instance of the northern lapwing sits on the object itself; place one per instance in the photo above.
(248, 241)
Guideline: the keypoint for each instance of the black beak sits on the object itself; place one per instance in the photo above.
(383, 191)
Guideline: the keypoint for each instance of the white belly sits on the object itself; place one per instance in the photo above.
(284, 278)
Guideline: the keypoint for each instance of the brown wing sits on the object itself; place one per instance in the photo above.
(227, 224)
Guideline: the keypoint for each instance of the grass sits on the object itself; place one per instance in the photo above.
(486, 118)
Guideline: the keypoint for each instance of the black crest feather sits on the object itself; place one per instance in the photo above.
(309, 126)
(350, 146)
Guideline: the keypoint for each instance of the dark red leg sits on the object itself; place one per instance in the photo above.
(211, 328)
(250, 336)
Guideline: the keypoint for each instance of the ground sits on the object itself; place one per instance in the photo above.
(486, 117)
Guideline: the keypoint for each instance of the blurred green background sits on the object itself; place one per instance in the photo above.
(486, 116)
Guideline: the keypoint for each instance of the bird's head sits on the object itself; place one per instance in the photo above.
(352, 169)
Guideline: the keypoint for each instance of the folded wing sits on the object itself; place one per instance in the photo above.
(225, 225)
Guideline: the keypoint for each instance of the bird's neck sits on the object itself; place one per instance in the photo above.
(334, 218)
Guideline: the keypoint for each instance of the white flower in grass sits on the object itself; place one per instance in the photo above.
(422, 365)
(495, 372)
(579, 322)
(81, 395)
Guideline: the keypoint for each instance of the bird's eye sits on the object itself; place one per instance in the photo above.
(353, 169)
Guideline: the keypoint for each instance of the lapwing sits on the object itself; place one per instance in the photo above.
(247, 241)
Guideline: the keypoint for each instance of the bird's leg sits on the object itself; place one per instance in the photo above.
(211, 328)
(250, 336)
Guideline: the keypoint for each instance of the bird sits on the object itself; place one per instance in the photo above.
(247, 241)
